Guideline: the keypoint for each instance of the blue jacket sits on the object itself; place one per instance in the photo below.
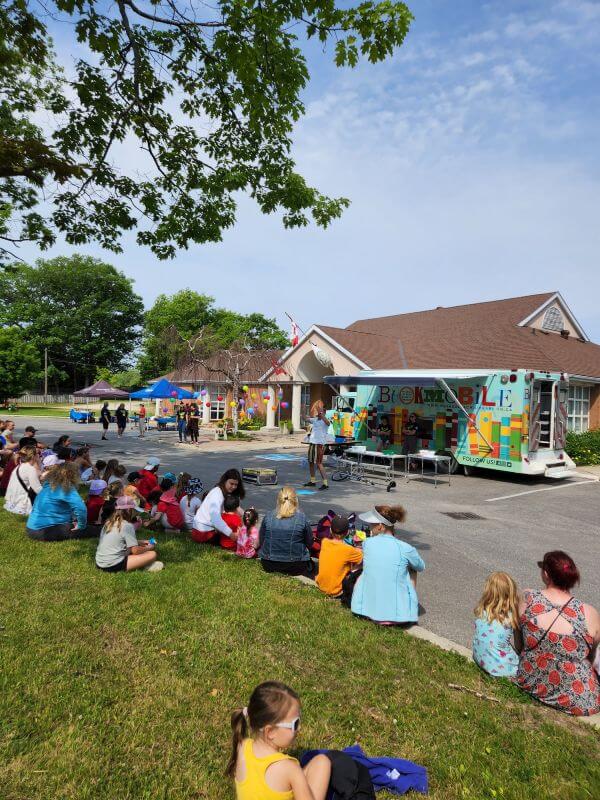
(394, 774)
(285, 539)
(384, 591)
(57, 507)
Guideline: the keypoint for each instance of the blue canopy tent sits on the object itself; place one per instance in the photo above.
(162, 390)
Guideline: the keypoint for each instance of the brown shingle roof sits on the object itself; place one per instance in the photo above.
(480, 335)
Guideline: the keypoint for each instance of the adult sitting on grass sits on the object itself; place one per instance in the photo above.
(560, 636)
(336, 558)
(59, 513)
(24, 484)
(285, 537)
(386, 590)
(118, 548)
(208, 522)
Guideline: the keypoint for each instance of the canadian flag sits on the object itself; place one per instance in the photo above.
(294, 338)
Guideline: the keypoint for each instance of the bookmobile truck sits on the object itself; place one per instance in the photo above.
(509, 420)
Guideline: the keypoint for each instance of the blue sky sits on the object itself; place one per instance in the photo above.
(471, 160)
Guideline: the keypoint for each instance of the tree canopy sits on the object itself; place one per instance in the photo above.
(82, 309)
(206, 94)
(175, 319)
(19, 364)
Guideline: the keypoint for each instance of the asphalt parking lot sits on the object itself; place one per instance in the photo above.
(517, 519)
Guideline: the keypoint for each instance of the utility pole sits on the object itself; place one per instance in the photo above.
(45, 376)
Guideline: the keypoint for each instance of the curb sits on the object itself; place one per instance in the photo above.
(417, 632)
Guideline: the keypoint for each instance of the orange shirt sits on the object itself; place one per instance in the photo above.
(335, 560)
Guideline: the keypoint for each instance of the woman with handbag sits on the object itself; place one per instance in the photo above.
(24, 485)
(560, 636)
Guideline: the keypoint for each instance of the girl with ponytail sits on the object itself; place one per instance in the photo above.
(260, 732)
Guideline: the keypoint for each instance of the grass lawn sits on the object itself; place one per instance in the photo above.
(121, 686)
(36, 411)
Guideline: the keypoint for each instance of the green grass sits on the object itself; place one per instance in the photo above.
(36, 411)
(121, 686)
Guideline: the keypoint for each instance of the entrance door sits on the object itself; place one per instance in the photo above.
(541, 426)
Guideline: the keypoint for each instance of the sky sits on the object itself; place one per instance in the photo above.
(471, 161)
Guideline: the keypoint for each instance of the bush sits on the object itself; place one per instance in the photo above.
(584, 448)
(252, 423)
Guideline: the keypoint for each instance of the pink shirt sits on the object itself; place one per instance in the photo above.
(247, 543)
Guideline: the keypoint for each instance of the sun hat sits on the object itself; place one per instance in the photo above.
(194, 486)
(170, 476)
(125, 502)
(373, 517)
(52, 461)
(97, 487)
(152, 462)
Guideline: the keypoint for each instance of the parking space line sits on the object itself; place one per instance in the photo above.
(534, 491)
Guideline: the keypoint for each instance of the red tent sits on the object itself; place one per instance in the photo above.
(103, 391)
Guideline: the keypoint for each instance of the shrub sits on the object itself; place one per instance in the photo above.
(584, 448)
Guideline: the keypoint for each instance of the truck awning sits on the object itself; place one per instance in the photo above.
(405, 377)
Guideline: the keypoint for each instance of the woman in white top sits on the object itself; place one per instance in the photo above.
(190, 502)
(24, 483)
(208, 521)
(317, 440)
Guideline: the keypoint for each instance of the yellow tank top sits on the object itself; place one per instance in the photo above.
(254, 785)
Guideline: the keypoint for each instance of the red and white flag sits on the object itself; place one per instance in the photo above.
(294, 337)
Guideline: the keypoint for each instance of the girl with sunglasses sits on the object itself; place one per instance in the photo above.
(261, 731)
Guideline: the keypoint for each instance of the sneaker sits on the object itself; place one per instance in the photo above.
(323, 487)
(155, 567)
(310, 483)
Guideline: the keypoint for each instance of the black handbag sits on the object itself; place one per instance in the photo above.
(30, 493)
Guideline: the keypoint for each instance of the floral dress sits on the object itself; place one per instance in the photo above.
(557, 671)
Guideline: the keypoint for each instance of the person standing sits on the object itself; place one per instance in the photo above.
(410, 431)
(142, 421)
(181, 423)
(105, 419)
(193, 423)
(121, 414)
(317, 440)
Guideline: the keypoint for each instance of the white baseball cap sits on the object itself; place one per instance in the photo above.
(152, 462)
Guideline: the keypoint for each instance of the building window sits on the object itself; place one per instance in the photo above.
(579, 407)
(553, 320)
(217, 407)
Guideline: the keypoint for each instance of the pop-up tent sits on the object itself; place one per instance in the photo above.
(103, 391)
(162, 390)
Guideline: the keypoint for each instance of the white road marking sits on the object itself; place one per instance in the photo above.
(534, 491)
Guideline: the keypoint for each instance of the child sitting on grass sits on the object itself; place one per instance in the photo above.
(95, 501)
(118, 548)
(268, 725)
(497, 639)
(167, 511)
(94, 473)
(231, 517)
(111, 493)
(131, 489)
(247, 541)
(118, 475)
(336, 558)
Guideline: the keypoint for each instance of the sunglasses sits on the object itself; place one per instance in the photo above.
(294, 725)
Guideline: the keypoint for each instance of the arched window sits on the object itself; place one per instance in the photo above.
(553, 320)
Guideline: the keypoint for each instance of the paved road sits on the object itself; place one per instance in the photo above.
(520, 518)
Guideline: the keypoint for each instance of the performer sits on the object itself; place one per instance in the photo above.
(384, 433)
(410, 433)
(317, 440)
